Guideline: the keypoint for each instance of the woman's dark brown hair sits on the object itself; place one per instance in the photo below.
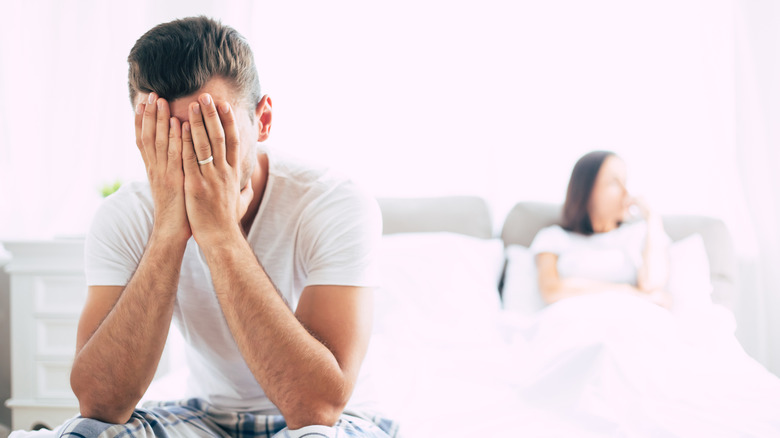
(575, 215)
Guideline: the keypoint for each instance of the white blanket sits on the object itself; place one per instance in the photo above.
(605, 365)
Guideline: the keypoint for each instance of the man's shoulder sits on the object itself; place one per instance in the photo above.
(298, 171)
(314, 186)
(319, 197)
(133, 201)
(118, 234)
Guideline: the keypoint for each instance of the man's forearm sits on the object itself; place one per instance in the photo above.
(115, 366)
(297, 372)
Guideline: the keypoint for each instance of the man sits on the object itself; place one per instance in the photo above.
(264, 264)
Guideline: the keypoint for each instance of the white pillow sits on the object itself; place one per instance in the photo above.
(438, 286)
(436, 311)
(689, 278)
(689, 275)
(521, 288)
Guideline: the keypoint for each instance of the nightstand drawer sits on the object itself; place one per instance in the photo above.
(56, 337)
(59, 294)
(53, 380)
(48, 291)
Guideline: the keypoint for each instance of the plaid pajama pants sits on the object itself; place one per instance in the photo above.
(197, 418)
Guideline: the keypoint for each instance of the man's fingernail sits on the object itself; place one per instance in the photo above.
(196, 108)
(159, 104)
(225, 108)
(173, 123)
(139, 109)
(151, 97)
(206, 99)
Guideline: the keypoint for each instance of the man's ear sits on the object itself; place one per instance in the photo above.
(263, 117)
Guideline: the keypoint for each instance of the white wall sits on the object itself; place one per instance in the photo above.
(493, 98)
(499, 99)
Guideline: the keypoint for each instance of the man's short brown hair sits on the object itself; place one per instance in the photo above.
(176, 59)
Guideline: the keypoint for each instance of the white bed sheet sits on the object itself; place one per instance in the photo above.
(605, 365)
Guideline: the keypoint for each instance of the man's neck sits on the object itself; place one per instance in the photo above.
(259, 181)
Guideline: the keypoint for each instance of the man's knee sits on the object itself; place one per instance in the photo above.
(308, 431)
(81, 427)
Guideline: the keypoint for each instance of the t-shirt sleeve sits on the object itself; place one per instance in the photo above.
(340, 239)
(550, 240)
(116, 240)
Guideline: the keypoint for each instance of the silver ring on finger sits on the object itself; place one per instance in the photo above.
(206, 161)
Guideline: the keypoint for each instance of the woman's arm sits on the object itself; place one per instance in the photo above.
(654, 272)
(553, 288)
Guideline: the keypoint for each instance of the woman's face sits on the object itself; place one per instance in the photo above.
(609, 200)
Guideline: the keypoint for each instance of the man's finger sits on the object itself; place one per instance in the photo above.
(230, 127)
(139, 120)
(214, 130)
(162, 132)
(149, 128)
(200, 138)
(174, 146)
(188, 158)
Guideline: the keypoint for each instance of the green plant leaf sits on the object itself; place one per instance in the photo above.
(109, 188)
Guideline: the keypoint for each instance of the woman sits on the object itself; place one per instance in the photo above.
(595, 249)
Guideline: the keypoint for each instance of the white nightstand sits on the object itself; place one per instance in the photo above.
(48, 291)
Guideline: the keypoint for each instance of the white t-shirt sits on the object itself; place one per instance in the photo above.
(312, 228)
(613, 257)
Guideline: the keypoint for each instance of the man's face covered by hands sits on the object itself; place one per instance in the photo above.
(200, 157)
(249, 131)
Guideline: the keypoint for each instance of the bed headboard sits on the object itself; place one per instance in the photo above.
(468, 215)
(527, 218)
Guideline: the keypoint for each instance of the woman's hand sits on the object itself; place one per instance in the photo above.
(638, 207)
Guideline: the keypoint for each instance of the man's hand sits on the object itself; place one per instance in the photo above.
(158, 137)
(214, 199)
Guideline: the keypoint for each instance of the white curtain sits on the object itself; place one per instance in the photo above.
(495, 98)
(758, 160)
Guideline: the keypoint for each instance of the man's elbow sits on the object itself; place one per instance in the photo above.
(106, 416)
(104, 412)
(95, 405)
(316, 413)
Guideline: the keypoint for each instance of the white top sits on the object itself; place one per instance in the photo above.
(614, 256)
(312, 228)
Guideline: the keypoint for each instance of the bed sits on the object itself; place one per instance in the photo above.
(462, 345)
(465, 347)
